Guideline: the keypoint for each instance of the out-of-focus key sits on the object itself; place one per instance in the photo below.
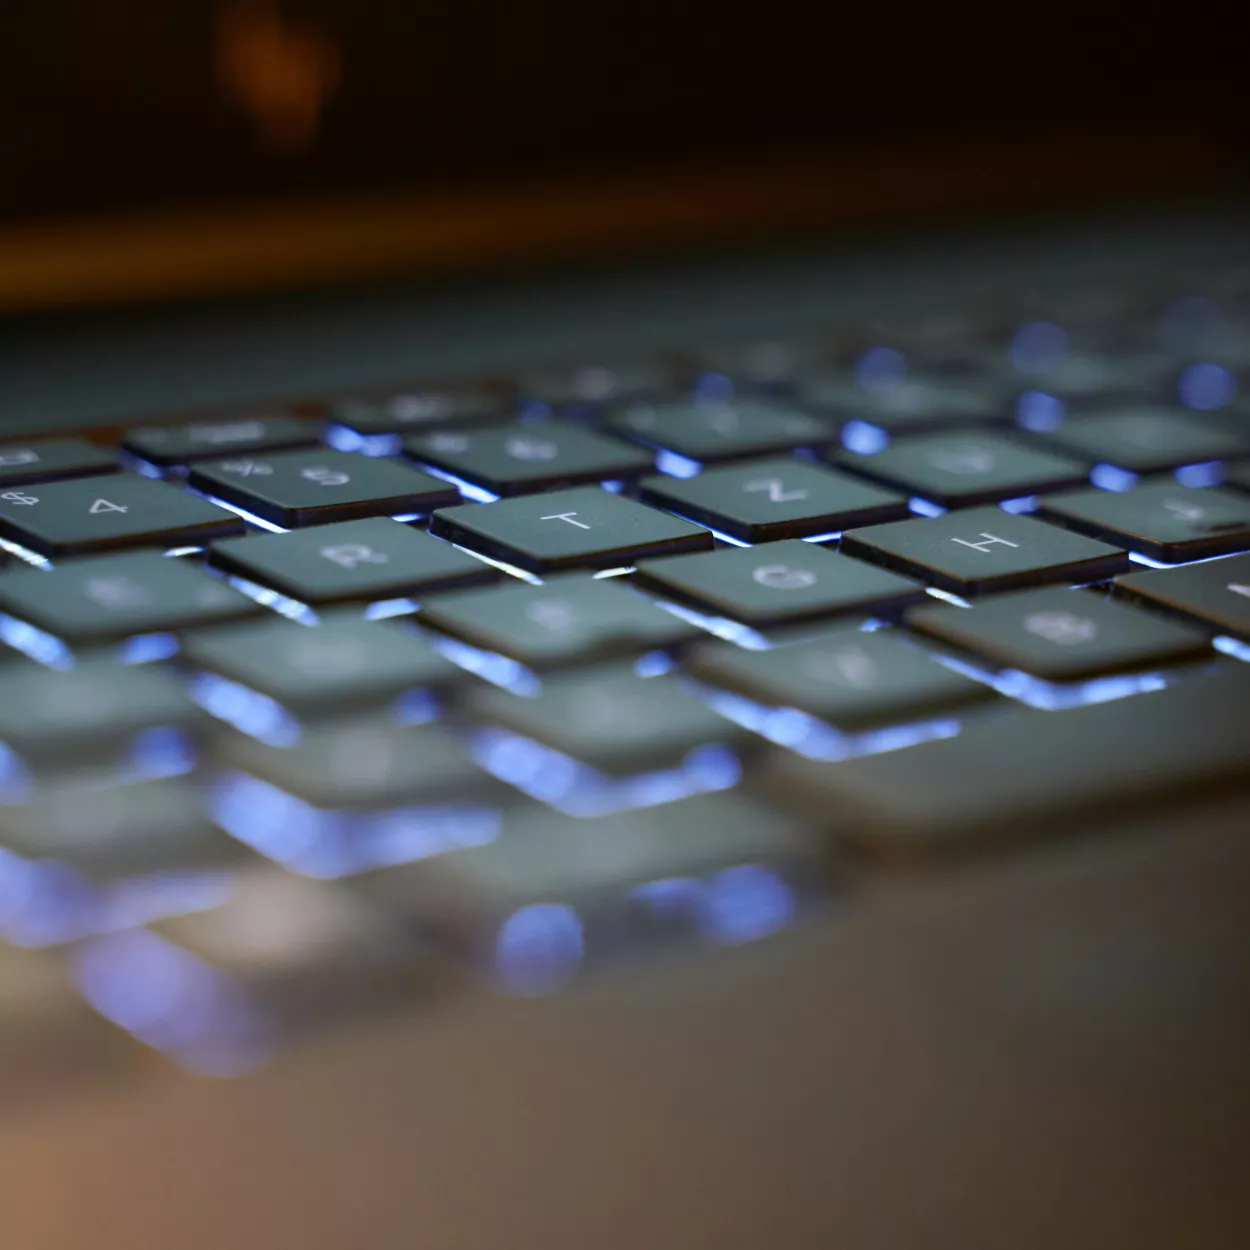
(1158, 519)
(554, 892)
(852, 679)
(220, 436)
(1146, 440)
(906, 406)
(570, 621)
(219, 990)
(407, 411)
(1014, 775)
(1215, 593)
(23, 464)
(1059, 635)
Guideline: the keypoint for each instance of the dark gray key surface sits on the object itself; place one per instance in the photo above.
(1238, 475)
(50, 459)
(400, 412)
(777, 498)
(983, 550)
(341, 665)
(1000, 777)
(551, 885)
(908, 406)
(58, 718)
(1145, 439)
(108, 832)
(376, 558)
(584, 528)
(616, 722)
(779, 582)
(1162, 519)
(366, 763)
(111, 597)
(220, 436)
(1061, 635)
(520, 458)
(583, 390)
(1215, 593)
(958, 470)
(318, 486)
(569, 621)
(720, 431)
(851, 678)
(90, 515)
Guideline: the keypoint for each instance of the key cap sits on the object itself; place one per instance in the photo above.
(213, 437)
(783, 582)
(116, 831)
(50, 1040)
(340, 666)
(1085, 378)
(1238, 475)
(552, 891)
(220, 989)
(771, 499)
(314, 487)
(957, 470)
(1159, 519)
(616, 722)
(984, 550)
(106, 598)
(572, 621)
(1215, 593)
(56, 720)
(1061, 635)
(720, 431)
(584, 528)
(518, 459)
(852, 679)
(92, 515)
(1006, 777)
(22, 464)
(364, 763)
(404, 411)
(376, 558)
(1145, 440)
(906, 407)
(581, 391)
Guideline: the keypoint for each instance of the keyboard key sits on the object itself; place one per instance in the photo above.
(1086, 378)
(984, 550)
(1158, 519)
(110, 832)
(1006, 777)
(219, 989)
(1145, 440)
(771, 499)
(111, 597)
(1061, 635)
(720, 431)
(340, 666)
(313, 487)
(22, 464)
(616, 722)
(1238, 475)
(402, 412)
(554, 891)
(517, 459)
(572, 621)
(375, 558)
(907, 406)
(852, 679)
(584, 528)
(364, 763)
(215, 437)
(957, 470)
(580, 391)
(93, 515)
(54, 720)
(782, 582)
(1215, 593)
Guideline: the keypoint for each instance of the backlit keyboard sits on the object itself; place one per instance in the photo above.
(318, 709)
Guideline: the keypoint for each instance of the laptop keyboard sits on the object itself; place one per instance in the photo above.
(306, 715)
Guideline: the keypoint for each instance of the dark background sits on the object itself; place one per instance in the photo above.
(113, 104)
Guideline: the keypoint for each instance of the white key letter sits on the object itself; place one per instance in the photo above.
(984, 547)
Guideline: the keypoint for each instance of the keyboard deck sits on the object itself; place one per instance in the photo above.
(313, 710)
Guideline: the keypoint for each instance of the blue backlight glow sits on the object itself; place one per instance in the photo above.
(1232, 646)
(25, 554)
(342, 438)
(1050, 696)
(35, 643)
(497, 669)
(284, 605)
(925, 507)
(147, 648)
(673, 465)
(479, 494)
(1038, 411)
(250, 517)
(538, 949)
(864, 438)
(1109, 477)
(1205, 387)
(745, 903)
(249, 711)
(161, 751)
(1037, 346)
(880, 368)
(731, 631)
(1208, 473)
(1024, 503)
